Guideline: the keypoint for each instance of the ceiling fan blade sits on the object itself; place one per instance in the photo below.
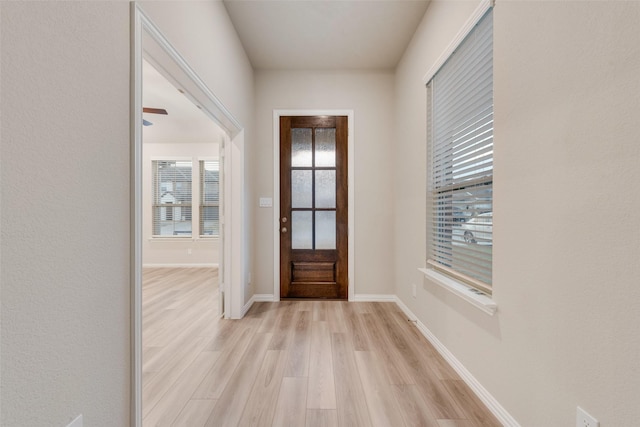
(154, 110)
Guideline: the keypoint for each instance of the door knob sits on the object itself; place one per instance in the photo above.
(284, 229)
(284, 219)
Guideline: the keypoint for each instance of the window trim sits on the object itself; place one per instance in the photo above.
(201, 202)
(475, 17)
(154, 205)
(468, 293)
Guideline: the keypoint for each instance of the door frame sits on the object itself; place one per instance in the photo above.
(276, 193)
(147, 41)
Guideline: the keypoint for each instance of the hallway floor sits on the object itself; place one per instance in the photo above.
(293, 363)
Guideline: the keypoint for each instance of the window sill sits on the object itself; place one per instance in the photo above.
(182, 238)
(467, 293)
(170, 238)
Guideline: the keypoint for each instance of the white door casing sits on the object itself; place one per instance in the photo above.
(276, 192)
(149, 43)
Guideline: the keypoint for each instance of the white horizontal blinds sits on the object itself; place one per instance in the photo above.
(460, 149)
(172, 197)
(209, 198)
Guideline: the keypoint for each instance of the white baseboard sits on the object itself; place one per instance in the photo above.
(180, 266)
(374, 298)
(247, 307)
(356, 298)
(263, 297)
(256, 298)
(492, 404)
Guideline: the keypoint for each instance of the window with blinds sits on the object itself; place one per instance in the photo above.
(460, 159)
(171, 198)
(209, 198)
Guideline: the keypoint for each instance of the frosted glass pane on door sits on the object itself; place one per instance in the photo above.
(325, 229)
(301, 230)
(325, 189)
(301, 189)
(325, 147)
(301, 147)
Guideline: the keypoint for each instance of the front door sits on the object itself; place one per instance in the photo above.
(313, 207)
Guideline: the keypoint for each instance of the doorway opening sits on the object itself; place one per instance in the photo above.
(182, 245)
(313, 207)
(182, 152)
(278, 209)
(173, 217)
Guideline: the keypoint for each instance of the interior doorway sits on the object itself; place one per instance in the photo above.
(181, 173)
(148, 43)
(182, 299)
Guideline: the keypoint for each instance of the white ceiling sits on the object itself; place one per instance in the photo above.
(325, 34)
(291, 34)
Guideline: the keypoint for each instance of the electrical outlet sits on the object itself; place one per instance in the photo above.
(413, 289)
(189, 251)
(583, 419)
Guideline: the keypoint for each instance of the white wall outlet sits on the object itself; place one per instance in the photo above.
(583, 419)
(189, 251)
(413, 289)
(77, 422)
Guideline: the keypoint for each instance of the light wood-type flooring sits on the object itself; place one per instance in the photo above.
(292, 363)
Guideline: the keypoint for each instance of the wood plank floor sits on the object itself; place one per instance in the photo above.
(292, 363)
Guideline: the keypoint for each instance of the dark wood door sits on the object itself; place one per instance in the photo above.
(313, 207)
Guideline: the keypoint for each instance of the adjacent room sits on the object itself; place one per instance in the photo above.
(181, 241)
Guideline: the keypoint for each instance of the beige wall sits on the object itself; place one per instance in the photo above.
(194, 250)
(65, 213)
(567, 239)
(370, 96)
(203, 34)
(65, 155)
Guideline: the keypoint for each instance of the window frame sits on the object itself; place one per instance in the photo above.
(203, 203)
(437, 190)
(157, 204)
